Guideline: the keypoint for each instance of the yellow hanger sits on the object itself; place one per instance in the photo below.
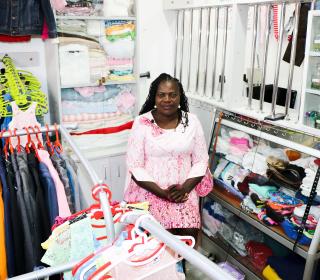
(22, 87)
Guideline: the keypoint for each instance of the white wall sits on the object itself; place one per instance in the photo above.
(29, 56)
(157, 52)
(155, 42)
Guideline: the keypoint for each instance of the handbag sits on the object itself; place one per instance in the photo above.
(290, 177)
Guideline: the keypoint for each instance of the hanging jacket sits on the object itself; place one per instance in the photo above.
(26, 17)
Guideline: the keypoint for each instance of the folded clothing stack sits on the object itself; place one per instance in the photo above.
(307, 181)
(96, 103)
(119, 46)
(82, 61)
(76, 7)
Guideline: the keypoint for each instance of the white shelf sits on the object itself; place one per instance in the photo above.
(96, 84)
(95, 18)
(183, 4)
(314, 53)
(313, 91)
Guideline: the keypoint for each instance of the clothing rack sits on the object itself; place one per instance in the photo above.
(92, 174)
(201, 262)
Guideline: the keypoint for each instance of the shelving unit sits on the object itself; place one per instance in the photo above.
(310, 100)
(232, 203)
(273, 136)
(313, 91)
(109, 159)
(220, 248)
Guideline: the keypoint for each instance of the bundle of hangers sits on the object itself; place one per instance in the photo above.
(134, 252)
(31, 145)
(39, 183)
(22, 87)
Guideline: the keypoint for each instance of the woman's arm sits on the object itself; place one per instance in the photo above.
(152, 187)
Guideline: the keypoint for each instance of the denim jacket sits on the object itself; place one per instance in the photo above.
(26, 17)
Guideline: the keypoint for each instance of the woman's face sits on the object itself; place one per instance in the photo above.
(167, 98)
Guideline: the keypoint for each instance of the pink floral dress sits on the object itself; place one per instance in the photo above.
(167, 157)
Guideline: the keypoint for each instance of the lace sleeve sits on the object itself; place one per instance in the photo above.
(135, 152)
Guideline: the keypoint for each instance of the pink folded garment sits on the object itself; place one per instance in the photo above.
(119, 61)
(125, 100)
(89, 91)
(237, 150)
(58, 4)
(87, 117)
(239, 141)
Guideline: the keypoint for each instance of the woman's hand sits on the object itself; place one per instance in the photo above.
(177, 193)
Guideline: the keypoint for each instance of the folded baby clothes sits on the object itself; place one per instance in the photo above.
(248, 205)
(117, 7)
(125, 101)
(292, 231)
(235, 272)
(314, 211)
(262, 191)
(255, 162)
(241, 135)
(123, 48)
(284, 199)
(210, 222)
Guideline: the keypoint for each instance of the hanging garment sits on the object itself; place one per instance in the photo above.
(26, 17)
(16, 221)
(29, 196)
(7, 218)
(60, 166)
(301, 39)
(64, 210)
(167, 157)
(3, 257)
(21, 119)
(50, 193)
(41, 206)
(30, 256)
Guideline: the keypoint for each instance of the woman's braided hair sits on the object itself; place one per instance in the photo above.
(150, 101)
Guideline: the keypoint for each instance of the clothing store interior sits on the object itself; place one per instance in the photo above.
(160, 139)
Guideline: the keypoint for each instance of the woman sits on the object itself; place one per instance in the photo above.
(167, 158)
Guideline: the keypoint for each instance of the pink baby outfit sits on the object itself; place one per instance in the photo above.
(168, 157)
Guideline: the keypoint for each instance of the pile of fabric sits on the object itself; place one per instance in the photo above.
(77, 7)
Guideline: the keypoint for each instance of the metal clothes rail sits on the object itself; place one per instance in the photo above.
(92, 174)
(195, 258)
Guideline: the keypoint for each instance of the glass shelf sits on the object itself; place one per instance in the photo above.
(232, 203)
(243, 261)
(313, 91)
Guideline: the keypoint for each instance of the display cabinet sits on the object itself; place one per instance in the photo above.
(263, 174)
(310, 105)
